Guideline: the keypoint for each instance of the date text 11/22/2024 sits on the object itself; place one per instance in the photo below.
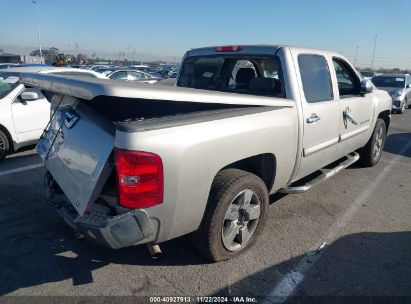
(205, 299)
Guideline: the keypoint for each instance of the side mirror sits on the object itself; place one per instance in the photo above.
(409, 86)
(29, 96)
(366, 86)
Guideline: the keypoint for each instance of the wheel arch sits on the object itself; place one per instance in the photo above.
(385, 115)
(262, 165)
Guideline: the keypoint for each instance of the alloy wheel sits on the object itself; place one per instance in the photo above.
(241, 220)
(377, 150)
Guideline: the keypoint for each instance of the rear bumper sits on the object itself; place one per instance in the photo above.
(115, 232)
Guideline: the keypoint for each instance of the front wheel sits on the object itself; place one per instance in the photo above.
(371, 153)
(235, 215)
(4, 145)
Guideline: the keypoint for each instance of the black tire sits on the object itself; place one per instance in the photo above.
(226, 188)
(368, 155)
(4, 145)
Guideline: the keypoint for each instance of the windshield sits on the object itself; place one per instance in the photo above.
(389, 82)
(8, 81)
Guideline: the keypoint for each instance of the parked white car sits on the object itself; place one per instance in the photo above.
(24, 111)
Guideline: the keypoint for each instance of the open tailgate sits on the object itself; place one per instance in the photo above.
(75, 149)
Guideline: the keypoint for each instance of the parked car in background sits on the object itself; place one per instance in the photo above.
(156, 75)
(399, 87)
(24, 111)
(103, 69)
(140, 67)
(172, 75)
(368, 74)
(8, 65)
(97, 68)
(135, 164)
(133, 75)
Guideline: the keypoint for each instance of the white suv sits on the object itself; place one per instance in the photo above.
(24, 111)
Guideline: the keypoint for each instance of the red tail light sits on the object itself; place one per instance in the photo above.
(140, 178)
(229, 48)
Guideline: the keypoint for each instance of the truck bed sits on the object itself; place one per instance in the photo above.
(77, 157)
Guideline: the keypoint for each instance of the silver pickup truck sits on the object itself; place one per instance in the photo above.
(134, 163)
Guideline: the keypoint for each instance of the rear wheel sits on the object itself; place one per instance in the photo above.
(371, 153)
(235, 215)
(4, 145)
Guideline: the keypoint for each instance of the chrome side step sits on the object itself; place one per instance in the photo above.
(351, 158)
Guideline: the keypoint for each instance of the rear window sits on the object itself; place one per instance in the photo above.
(238, 74)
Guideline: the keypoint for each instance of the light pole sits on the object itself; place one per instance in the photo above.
(129, 48)
(373, 52)
(38, 27)
(355, 59)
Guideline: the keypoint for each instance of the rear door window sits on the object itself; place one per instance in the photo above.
(315, 77)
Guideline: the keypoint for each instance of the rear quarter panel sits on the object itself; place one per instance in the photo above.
(192, 156)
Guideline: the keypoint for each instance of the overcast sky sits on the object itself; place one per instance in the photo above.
(169, 28)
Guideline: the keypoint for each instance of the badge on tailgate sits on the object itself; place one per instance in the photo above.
(70, 118)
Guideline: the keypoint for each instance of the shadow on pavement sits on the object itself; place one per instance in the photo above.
(395, 144)
(358, 268)
(37, 248)
(50, 252)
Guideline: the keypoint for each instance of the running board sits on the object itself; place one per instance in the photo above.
(351, 158)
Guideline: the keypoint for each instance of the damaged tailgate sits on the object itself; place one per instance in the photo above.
(75, 149)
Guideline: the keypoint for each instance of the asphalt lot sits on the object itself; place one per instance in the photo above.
(363, 214)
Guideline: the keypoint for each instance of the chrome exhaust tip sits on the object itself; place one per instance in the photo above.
(154, 250)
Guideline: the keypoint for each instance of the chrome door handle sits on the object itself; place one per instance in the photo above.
(313, 118)
(347, 116)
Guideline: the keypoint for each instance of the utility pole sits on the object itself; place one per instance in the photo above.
(38, 27)
(76, 47)
(373, 53)
(355, 59)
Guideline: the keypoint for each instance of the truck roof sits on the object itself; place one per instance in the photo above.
(262, 49)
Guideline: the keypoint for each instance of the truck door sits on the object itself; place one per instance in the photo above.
(321, 112)
(355, 109)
